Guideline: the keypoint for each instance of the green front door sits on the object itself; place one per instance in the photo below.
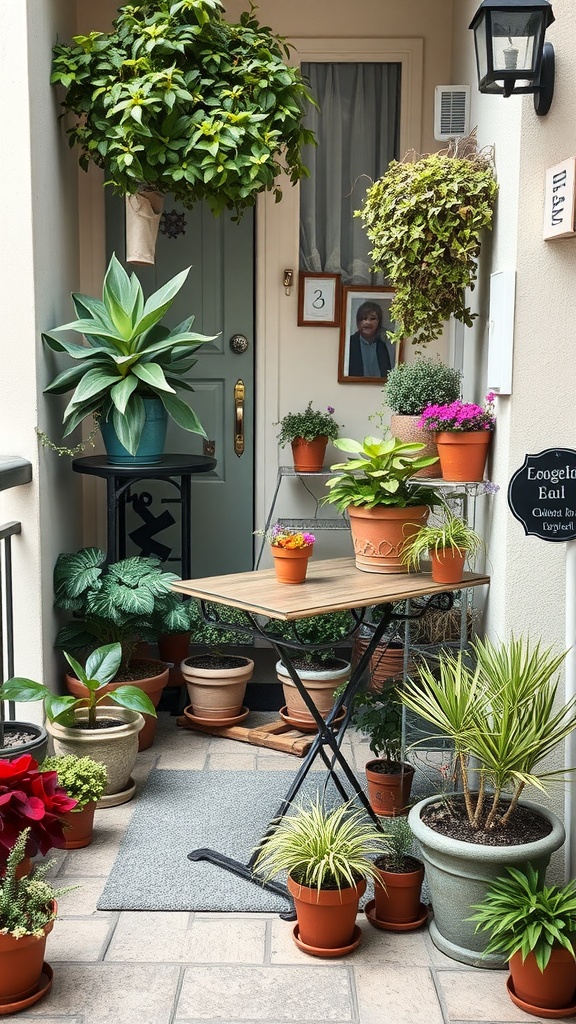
(219, 291)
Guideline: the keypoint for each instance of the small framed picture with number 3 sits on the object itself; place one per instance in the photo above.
(319, 300)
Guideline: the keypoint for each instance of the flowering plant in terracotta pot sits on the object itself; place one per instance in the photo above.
(34, 800)
(460, 416)
(463, 433)
(308, 432)
(291, 550)
(409, 389)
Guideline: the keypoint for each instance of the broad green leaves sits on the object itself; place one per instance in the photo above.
(380, 475)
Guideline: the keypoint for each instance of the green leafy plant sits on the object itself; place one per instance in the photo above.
(177, 99)
(524, 916)
(171, 615)
(400, 840)
(452, 532)
(379, 716)
(330, 629)
(26, 904)
(503, 718)
(425, 217)
(101, 668)
(82, 778)
(322, 848)
(127, 355)
(215, 637)
(379, 474)
(110, 603)
(308, 425)
(410, 387)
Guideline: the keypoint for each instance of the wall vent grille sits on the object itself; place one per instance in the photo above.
(451, 111)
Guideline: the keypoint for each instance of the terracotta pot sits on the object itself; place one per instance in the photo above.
(79, 827)
(406, 429)
(319, 683)
(309, 455)
(291, 564)
(389, 794)
(21, 961)
(552, 989)
(152, 686)
(448, 565)
(217, 693)
(326, 917)
(379, 534)
(398, 900)
(463, 454)
(116, 746)
(385, 664)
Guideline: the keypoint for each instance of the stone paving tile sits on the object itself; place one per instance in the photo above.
(222, 762)
(81, 901)
(47, 1020)
(187, 751)
(281, 994)
(186, 938)
(404, 995)
(110, 994)
(95, 860)
(82, 939)
(476, 995)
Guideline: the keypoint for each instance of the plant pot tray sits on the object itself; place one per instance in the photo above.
(276, 735)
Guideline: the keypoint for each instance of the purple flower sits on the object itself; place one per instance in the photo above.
(459, 416)
(330, 409)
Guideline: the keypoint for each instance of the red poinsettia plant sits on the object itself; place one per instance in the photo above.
(32, 799)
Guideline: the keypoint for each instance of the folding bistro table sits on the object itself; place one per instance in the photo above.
(331, 585)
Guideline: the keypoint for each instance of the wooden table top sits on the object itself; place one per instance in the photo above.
(332, 584)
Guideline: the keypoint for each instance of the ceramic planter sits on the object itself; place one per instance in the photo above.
(326, 917)
(151, 446)
(309, 455)
(291, 564)
(447, 565)
(551, 989)
(389, 792)
(21, 963)
(79, 827)
(459, 874)
(406, 429)
(463, 453)
(115, 747)
(320, 684)
(397, 901)
(152, 686)
(379, 534)
(37, 746)
(217, 693)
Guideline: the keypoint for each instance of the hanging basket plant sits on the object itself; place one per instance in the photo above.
(178, 100)
(425, 217)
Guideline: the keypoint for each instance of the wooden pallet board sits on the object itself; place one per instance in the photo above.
(275, 735)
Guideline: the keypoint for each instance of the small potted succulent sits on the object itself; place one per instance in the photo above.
(34, 801)
(463, 433)
(389, 777)
(85, 781)
(216, 680)
(396, 905)
(308, 432)
(327, 854)
(291, 550)
(533, 926)
(448, 543)
(409, 388)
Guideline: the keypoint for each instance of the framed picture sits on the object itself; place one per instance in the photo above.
(366, 355)
(319, 300)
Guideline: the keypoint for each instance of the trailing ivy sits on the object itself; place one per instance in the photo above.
(424, 218)
(177, 99)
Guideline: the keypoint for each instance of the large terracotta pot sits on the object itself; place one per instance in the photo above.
(21, 965)
(379, 534)
(326, 917)
(116, 746)
(463, 454)
(406, 428)
(447, 565)
(320, 684)
(291, 564)
(309, 455)
(398, 898)
(217, 693)
(389, 792)
(79, 827)
(386, 663)
(152, 686)
(551, 989)
(173, 649)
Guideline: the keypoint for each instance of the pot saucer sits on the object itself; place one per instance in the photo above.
(307, 726)
(538, 1011)
(396, 926)
(41, 989)
(328, 953)
(121, 797)
(218, 723)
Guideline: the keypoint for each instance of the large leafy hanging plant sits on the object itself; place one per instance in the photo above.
(178, 100)
(424, 217)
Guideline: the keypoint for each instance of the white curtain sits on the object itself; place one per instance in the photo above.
(357, 128)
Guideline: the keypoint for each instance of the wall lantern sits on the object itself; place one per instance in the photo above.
(511, 55)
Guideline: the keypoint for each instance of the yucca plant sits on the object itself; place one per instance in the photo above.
(524, 916)
(502, 717)
(322, 848)
(126, 355)
(452, 532)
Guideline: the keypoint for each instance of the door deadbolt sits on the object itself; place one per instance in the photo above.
(238, 343)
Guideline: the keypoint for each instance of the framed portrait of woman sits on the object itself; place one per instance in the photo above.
(366, 355)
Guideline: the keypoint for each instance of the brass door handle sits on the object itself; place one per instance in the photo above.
(239, 396)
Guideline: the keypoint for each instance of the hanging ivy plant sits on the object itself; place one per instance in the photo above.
(424, 217)
(177, 99)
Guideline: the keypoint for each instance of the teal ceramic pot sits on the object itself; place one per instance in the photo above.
(151, 447)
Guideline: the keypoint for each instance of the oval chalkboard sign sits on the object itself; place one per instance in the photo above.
(542, 494)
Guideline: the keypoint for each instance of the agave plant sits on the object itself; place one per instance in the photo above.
(129, 355)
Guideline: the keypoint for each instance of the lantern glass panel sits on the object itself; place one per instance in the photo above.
(517, 38)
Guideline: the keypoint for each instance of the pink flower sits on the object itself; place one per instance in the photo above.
(459, 416)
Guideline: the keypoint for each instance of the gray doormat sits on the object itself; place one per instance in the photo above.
(180, 811)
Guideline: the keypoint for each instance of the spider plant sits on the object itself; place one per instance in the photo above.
(502, 717)
(322, 848)
(451, 532)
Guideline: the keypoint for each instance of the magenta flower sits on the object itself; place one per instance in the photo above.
(459, 416)
(30, 798)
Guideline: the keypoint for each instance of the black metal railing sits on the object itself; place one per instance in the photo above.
(13, 472)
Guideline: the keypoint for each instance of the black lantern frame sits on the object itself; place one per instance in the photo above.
(511, 53)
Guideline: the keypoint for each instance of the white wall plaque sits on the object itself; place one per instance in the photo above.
(559, 196)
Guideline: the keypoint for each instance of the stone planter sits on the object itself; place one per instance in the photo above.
(115, 747)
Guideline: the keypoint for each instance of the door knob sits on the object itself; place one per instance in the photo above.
(238, 343)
